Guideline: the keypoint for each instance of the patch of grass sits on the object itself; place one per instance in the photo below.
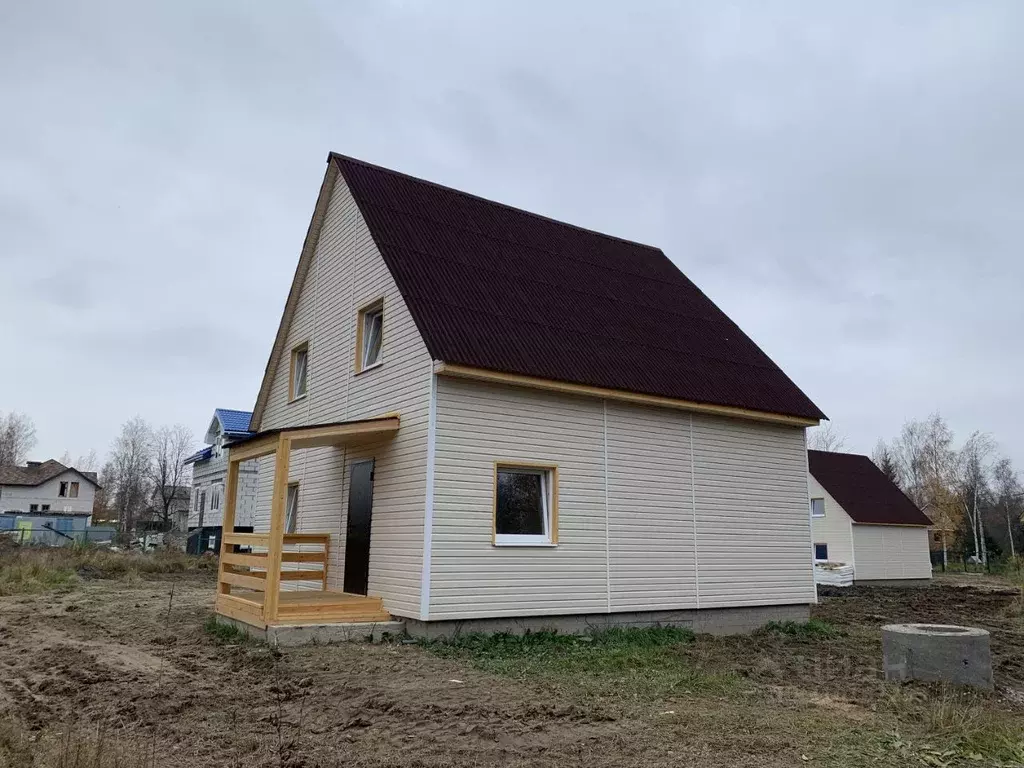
(645, 663)
(28, 578)
(814, 629)
(948, 726)
(34, 569)
(226, 634)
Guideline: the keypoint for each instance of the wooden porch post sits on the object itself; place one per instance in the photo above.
(228, 523)
(277, 512)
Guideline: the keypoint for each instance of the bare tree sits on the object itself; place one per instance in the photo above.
(86, 462)
(826, 438)
(970, 486)
(1010, 499)
(169, 473)
(17, 438)
(128, 472)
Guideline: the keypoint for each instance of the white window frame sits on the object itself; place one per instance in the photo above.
(820, 544)
(365, 317)
(294, 372)
(291, 509)
(549, 497)
(822, 500)
(216, 491)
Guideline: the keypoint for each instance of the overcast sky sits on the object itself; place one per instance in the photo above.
(848, 185)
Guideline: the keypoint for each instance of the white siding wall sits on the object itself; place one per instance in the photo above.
(753, 522)
(19, 497)
(891, 552)
(626, 523)
(835, 528)
(347, 273)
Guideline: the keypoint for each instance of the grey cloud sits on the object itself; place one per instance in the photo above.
(845, 181)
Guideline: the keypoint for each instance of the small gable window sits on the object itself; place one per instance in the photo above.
(817, 507)
(299, 371)
(63, 492)
(821, 553)
(369, 336)
(73, 493)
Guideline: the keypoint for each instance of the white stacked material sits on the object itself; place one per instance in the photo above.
(833, 574)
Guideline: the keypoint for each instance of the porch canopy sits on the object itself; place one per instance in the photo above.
(262, 572)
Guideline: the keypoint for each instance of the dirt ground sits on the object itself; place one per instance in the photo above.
(128, 668)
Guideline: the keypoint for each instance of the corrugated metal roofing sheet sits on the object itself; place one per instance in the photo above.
(234, 422)
(494, 287)
(863, 490)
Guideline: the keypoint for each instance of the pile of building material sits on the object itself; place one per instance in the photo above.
(833, 574)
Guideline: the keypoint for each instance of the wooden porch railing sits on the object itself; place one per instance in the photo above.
(248, 570)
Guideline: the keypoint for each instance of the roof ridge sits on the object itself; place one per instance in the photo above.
(489, 201)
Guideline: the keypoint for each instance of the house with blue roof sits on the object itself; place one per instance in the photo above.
(209, 473)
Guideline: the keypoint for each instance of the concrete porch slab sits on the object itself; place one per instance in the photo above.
(293, 635)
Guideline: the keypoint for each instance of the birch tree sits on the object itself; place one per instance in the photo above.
(127, 474)
(17, 438)
(171, 446)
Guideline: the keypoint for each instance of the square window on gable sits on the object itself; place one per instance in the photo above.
(299, 372)
(369, 335)
(817, 507)
(525, 506)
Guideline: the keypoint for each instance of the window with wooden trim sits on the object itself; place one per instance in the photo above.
(821, 553)
(291, 514)
(73, 491)
(369, 336)
(299, 372)
(817, 507)
(525, 505)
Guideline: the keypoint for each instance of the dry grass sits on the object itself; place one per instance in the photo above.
(32, 569)
(72, 747)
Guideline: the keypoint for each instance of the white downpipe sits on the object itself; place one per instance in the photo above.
(428, 506)
(607, 521)
(693, 506)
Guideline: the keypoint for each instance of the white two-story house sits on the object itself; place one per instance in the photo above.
(209, 469)
(46, 501)
(490, 419)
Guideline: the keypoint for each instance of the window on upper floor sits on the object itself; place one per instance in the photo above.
(215, 498)
(291, 515)
(73, 491)
(525, 505)
(817, 507)
(821, 553)
(369, 335)
(299, 371)
(63, 492)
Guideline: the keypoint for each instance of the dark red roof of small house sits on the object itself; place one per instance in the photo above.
(863, 490)
(498, 288)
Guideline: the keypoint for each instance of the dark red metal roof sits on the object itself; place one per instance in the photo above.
(495, 287)
(863, 490)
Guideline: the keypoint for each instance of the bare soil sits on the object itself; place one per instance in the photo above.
(131, 664)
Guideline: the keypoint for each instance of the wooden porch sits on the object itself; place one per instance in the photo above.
(254, 566)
